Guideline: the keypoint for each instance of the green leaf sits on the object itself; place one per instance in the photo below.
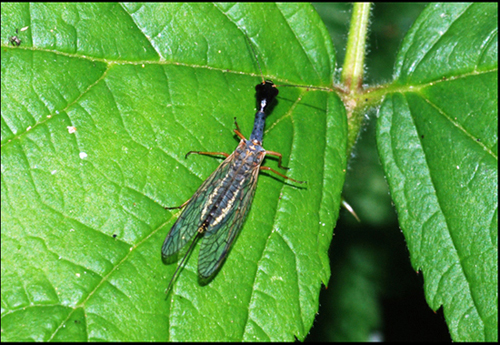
(143, 85)
(438, 139)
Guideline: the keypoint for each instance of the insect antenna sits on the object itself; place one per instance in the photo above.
(279, 85)
(255, 55)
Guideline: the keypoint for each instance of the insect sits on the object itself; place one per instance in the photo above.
(14, 40)
(216, 212)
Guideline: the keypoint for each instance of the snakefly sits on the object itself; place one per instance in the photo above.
(216, 212)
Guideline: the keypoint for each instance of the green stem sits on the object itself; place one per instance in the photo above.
(352, 71)
(353, 68)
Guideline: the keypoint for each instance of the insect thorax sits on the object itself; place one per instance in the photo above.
(248, 156)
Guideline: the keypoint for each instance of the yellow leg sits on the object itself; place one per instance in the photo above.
(274, 171)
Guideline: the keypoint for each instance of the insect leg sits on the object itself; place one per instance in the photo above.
(238, 130)
(177, 207)
(200, 153)
(280, 174)
(277, 154)
(208, 153)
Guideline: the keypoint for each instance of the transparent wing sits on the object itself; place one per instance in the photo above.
(219, 238)
(190, 219)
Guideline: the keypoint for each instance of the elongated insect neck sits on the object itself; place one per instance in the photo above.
(258, 126)
(266, 92)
